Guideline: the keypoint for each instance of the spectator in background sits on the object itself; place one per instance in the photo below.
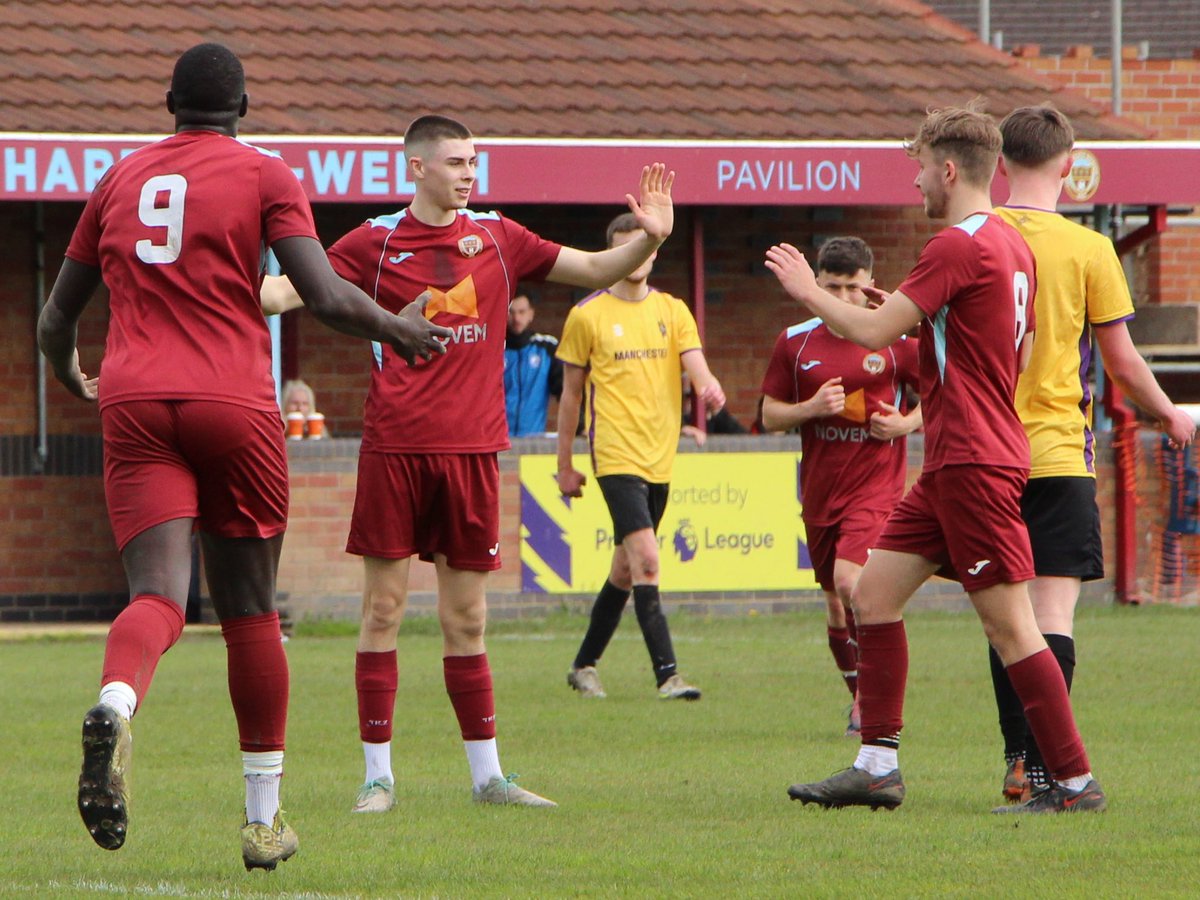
(298, 397)
(300, 411)
(531, 373)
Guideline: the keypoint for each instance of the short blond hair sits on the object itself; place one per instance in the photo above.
(965, 134)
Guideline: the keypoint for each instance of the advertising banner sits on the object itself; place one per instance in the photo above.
(732, 524)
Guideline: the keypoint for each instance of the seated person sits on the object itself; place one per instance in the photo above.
(298, 399)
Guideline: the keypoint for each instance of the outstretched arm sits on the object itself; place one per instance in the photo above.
(1129, 370)
(58, 324)
(870, 328)
(655, 215)
(343, 307)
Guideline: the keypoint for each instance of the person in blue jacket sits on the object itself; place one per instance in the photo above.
(531, 373)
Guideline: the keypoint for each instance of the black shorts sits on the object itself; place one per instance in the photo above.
(633, 503)
(1064, 527)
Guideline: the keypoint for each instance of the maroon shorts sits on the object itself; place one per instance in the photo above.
(968, 520)
(219, 463)
(849, 538)
(420, 504)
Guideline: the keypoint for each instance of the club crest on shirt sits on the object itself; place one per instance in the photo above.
(470, 245)
(662, 328)
(873, 363)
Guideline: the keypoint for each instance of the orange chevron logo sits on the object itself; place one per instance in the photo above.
(856, 406)
(460, 300)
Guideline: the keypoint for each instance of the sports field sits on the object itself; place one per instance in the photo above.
(658, 799)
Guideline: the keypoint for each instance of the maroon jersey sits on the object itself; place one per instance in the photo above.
(452, 403)
(179, 230)
(843, 468)
(975, 282)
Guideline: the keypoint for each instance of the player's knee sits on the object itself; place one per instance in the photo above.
(382, 611)
(647, 569)
(864, 602)
(844, 588)
(464, 626)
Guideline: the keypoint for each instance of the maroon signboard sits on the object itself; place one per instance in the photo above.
(846, 173)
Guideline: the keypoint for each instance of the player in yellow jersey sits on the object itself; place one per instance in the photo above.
(629, 345)
(1081, 292)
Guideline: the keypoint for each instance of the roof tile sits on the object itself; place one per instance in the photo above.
(683, 69)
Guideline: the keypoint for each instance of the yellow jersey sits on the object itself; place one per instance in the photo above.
(1080, 283)
(633, 394)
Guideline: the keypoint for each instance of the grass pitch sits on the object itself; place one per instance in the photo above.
(658, 799)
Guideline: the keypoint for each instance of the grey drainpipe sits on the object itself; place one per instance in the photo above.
(39, 292)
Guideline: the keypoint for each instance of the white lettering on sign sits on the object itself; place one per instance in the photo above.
(67, 170)
(330, 170)
(822, 176)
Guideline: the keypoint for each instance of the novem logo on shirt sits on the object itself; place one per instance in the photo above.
(460, 300)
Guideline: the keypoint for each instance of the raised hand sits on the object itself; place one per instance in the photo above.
(654, 209)
(875, 296)
(792, 270)
(415, 335)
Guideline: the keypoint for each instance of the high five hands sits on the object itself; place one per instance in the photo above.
(654, 209)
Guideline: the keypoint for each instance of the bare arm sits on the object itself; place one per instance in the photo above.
(870, 328)
(707, 388)
(58, 325)
(570, 480)
(1025, 352)
(655, 216)
(343, 307)
(278, 296)
(1125, 366)
(829, 400)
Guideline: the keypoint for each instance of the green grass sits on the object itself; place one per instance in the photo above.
(657, 799)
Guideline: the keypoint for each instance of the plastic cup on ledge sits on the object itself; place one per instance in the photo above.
(316, 426)
(295, 426)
